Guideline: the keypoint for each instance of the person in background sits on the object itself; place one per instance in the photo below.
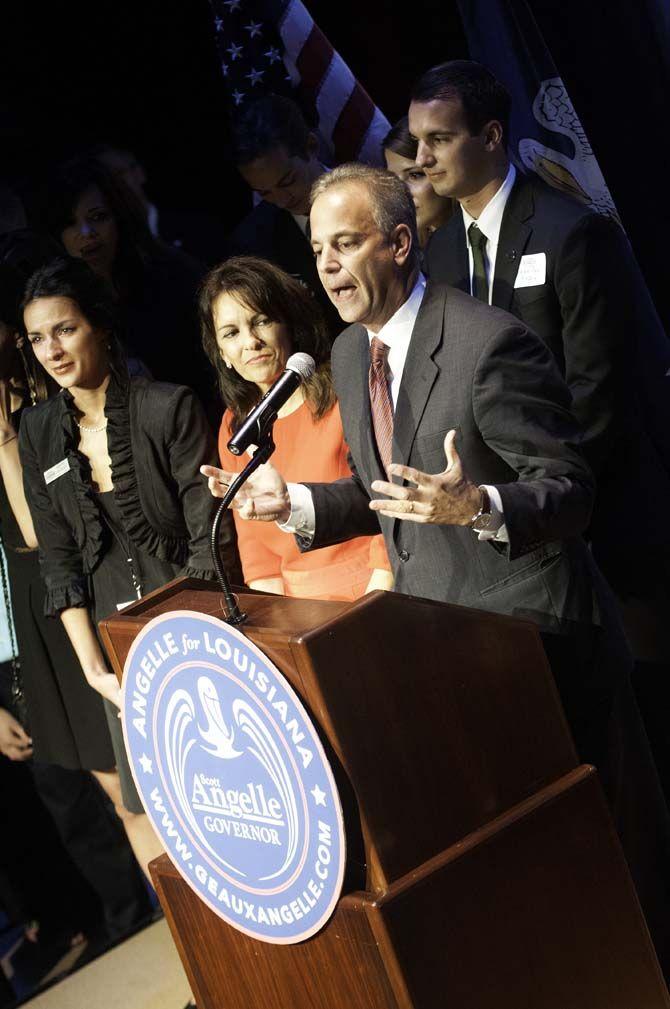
(432, 210)
(277, 155)
(97, 218)
(569, 273)
(180, 227)
(42, 887)
(253, 317)
(130, 511)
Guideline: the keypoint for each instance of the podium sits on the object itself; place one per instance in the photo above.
(483, 868)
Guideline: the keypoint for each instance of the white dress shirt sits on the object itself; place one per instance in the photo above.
(396, 334)
(301, 220)
(489, 223)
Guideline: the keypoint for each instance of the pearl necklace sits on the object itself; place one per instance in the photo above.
(91, 430)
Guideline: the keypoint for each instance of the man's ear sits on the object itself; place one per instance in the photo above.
(401, 242)
(493, 135)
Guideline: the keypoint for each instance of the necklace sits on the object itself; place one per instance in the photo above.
(91, 430)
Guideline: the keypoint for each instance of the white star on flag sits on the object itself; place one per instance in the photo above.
(254, 28)
(273, 54)
(218, 24)
(319, 796)
(238, 96)
(232, 5)
(234, 51)
(224, 69)
(147, 766)
(255, 76)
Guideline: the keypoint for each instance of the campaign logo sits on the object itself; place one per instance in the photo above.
(233, 776)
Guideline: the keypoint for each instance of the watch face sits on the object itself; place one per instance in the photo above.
(482, 522)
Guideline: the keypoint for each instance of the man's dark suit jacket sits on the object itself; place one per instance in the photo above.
(272, 233)
(482, 372)
(595, 315)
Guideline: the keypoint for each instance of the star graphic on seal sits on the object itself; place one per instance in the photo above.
(147, 766)
(319, 796)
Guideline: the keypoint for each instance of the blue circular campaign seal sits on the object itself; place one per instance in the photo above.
(233, 777)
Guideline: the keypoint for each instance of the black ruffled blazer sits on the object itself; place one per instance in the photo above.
(157, 437)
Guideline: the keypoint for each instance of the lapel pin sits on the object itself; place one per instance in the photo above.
(510, 256)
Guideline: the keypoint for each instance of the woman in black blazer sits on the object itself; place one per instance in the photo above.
(111, 472)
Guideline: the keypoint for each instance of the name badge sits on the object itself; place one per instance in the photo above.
(55, 471)
(532, 270)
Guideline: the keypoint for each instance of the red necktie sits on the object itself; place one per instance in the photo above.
(381, 405)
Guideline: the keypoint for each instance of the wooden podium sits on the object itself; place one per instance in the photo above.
(483, 868)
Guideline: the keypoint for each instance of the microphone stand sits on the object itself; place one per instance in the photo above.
(265, 449)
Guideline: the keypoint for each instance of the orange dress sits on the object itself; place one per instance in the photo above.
(310, 451)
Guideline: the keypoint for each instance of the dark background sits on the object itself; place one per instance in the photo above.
(146, 75)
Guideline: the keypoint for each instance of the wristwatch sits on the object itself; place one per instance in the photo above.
(483, 519)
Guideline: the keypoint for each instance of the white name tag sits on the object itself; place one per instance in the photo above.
(532, 270)
(52, 474)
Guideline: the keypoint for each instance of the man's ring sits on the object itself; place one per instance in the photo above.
(411, 506)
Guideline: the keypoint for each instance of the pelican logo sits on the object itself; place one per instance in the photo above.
(233, 777)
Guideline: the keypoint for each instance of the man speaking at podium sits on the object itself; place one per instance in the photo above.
(465, 451)
(463, 445)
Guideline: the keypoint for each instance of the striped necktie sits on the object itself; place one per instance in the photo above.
(381, 405)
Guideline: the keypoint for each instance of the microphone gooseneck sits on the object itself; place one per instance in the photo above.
(256, 430)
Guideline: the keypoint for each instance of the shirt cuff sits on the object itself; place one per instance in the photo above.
(302, 519)
(497, 529)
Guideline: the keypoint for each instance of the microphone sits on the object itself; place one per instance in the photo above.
(299, 368)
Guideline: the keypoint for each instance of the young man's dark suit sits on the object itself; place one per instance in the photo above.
(479, 370)
(596, 316)
(272, 233)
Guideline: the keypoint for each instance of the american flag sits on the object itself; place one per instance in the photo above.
(274, 46)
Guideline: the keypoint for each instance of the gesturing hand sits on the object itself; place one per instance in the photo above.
(15, 743)
(446, 498)
(264, 496)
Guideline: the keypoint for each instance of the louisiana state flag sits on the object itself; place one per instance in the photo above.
(546, 135)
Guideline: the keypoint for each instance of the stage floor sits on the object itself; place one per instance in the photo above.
(143, 972)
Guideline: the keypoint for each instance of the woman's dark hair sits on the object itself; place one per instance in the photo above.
(21, 253)
(71, 278)
(137, 246)
(265, 288)
(400, 140)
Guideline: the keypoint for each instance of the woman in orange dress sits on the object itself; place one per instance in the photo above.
(254, 316)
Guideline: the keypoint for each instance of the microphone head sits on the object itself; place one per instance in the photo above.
(302, 364)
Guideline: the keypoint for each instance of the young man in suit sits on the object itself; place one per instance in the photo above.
(570, 275)
(464, 451)
(277, 155)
